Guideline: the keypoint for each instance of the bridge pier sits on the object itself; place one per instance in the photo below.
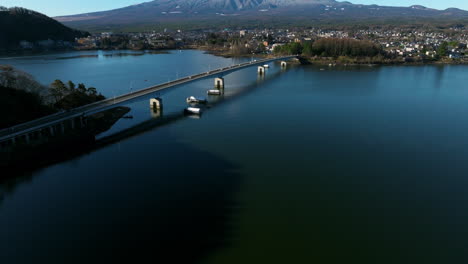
(219, 82)
(261, 70)
(59, 124)
(36, 135)
(82, 121)
(156, 113)
(156, 103)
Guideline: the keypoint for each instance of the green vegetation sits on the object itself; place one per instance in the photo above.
(442, 50)
(70, 96)
(216, 39)
(19, 24)
(453, 44)
(228, 45)
(332, 47)
(23, 99)
(289, 49)
(121, 41)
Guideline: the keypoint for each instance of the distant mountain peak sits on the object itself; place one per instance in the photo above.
(248, 11)
(455, 9)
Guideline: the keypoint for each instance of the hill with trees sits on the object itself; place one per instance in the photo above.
(27, 29)
(23, 99)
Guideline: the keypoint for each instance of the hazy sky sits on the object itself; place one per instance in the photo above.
(62, 7)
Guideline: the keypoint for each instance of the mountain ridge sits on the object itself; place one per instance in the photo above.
(20, 24)
(245, 11)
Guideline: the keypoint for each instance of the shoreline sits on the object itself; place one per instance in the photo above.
(47, 52)
(304, 60)
(395, 62)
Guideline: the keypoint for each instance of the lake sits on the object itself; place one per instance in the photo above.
(308, 164)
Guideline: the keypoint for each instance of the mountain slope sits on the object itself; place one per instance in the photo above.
(219, 12)
(18, 24)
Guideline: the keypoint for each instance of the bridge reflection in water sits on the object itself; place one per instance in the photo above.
(8, 137)
(174, 224)
(157, 119)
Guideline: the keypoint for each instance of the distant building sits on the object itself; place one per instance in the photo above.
(242, 33)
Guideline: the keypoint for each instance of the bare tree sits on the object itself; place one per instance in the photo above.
(19, 80)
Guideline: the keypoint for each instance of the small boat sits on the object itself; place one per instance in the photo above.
(266, 66)
(192, 110)
(214, 92)
(195, 100)
(128, 117)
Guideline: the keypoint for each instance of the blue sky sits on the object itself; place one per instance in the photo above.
(61, 7)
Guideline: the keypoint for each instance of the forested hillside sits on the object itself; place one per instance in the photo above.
(35, 29)
(23, 99)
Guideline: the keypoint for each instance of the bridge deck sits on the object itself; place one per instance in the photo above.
(44, 122)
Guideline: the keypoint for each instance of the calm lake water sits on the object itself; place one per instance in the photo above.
(306, 165)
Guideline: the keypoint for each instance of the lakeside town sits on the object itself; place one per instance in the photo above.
(401, 44)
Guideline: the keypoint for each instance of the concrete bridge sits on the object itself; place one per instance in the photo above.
(76, 118)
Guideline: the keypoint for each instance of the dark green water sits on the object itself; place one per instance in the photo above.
(340, 165)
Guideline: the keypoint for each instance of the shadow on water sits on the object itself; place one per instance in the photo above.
(438, 76)
(158, 120)
(168, 206)
(154, 210)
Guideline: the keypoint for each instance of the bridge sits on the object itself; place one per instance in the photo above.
(56, 123)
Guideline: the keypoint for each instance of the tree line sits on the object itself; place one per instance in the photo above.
(23, 99)
(236, 45)
(332, 47)
(20, 24)
(68, 96)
